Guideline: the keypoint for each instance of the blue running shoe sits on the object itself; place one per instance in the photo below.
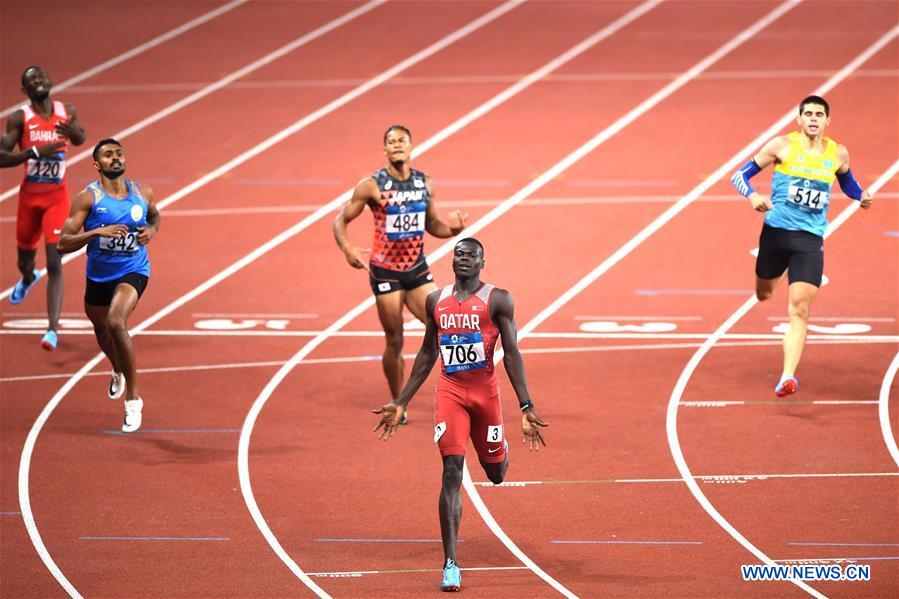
(50, 340)
(452, 577)
(787, 386)
(21, 289)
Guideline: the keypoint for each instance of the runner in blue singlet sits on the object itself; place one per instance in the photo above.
(119, 218)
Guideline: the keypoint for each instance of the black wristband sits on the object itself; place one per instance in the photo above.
(34, 153)
(528, 405)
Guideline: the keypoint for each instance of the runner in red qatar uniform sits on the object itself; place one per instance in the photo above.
(41, 129)
(401, 200)
(464, 322)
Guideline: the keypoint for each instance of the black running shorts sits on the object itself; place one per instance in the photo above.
(799, 252)
(387, 281)
(100, 294)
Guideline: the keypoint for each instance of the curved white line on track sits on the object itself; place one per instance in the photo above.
(31, 439)
(687, 373)
(135, 51)
(223, 82)
(554, 171)
(883, 409)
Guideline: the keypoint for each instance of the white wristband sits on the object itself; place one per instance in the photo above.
(34, 153)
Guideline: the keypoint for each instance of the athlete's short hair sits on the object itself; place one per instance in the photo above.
(25, 72)
(104, 142)
(815, 100)
(401, 128)
(474, 241)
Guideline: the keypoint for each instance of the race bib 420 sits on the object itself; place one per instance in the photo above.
(46, 169)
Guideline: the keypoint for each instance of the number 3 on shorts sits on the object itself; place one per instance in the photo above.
(495, 433)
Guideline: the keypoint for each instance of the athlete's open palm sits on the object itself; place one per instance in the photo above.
(530, 426)
(390, 420)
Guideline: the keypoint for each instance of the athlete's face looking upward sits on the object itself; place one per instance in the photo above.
(397, 146)
(36, 84)
(110, 161)
(468, 260)
(813, 120)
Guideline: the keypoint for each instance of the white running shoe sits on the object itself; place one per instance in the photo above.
(116, 385)
(133, 415)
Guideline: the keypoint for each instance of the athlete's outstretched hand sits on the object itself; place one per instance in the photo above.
(530, 426)
(457, 221)
(354, 257)
(867, 198)
(760, 203)
(390, 419)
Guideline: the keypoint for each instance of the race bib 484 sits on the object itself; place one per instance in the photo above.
(405, 220)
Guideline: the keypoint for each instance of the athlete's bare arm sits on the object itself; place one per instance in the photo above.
(424, 363)
(772, 152)
(15, 127)
(435, 226)
(502, 310)
(71, 238)
(71, 129)
(843, 158)
(145, 234)
(366, 190)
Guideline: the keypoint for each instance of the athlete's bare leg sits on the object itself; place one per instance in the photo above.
(390, 313)
(54, 286)
(25, 263)
(97, 316)
(416, 300)
(496, 471)
(801, 296)
(111, 329)
(764, 288)
(451, 504)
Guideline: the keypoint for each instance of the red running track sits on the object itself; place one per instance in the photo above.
(318, 474)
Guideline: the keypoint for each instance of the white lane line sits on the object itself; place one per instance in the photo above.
(303, 315)
(223, 82)
(359, 573)
(462, 203)
(776, 402)
(883, 410)
(547, 176)
(708, 478)
(838, 318)
(862, 338)
(377, 358)
(684, 379)
(160, 39)
(31, 439)
(454, 80)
